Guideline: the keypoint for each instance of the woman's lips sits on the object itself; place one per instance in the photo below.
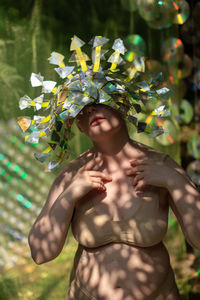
(97, 121)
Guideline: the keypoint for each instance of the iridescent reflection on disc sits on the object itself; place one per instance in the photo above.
(135, 45)
(186, 111)
(154, 66)
(172, 50)
(183, 69)
(177, 86)
(158, 14)
(194, 146)
(170, 135)
(182, 11)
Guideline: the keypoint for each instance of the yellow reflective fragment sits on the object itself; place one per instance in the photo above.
(62, 64)
(47, 150)
(43, 133)
(115, 60)
(46, 119)
(81, 59)
(97, 59)
(45, 104)
(54, 90)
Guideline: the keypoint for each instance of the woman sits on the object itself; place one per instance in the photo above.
(116, 196)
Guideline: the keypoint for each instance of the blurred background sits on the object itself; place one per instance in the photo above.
(167, 34)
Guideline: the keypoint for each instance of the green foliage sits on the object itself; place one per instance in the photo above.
(8, 288)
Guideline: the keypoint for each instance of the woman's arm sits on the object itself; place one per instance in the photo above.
(184, 200)
(48, 234)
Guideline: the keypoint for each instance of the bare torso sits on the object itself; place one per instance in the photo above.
(123, 270)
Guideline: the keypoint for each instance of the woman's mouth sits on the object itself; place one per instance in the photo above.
(96, 120)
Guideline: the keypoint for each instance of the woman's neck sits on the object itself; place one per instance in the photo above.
(115, 146)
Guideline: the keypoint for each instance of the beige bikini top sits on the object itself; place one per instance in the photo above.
(145, 228)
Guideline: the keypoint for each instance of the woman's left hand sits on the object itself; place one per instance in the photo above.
(150, 172)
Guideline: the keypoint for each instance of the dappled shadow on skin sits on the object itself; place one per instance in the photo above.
(120, 232)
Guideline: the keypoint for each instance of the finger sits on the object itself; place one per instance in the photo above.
(94, 164)
(138, 162)
(135, 170)
(140, 185)
(137, 178)
(98, 186)
(100, 174)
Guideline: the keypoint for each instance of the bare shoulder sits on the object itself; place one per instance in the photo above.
(148, 152)
(63, 180)
(69, 170)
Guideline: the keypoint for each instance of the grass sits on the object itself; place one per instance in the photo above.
(39, 282)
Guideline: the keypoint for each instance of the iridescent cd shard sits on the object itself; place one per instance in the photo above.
(76, 43)
(124, 86)
(36, 79)
(56, 58)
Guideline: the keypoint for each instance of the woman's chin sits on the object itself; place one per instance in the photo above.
(102, 130)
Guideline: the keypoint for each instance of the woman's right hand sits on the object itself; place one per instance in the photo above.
(88, 178)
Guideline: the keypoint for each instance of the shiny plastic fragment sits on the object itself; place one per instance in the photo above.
(120, 86)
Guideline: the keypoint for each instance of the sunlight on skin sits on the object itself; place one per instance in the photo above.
(122, 255)
(141, 276)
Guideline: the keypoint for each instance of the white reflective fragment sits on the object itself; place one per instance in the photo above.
(36, 79)
(48, 86)
(63, 72)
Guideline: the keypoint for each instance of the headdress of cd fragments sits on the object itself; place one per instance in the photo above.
(119, 86)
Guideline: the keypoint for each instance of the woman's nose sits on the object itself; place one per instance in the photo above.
(90, 108)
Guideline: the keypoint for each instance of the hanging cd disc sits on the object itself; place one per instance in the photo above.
(172, 50)
(193, 170)
(183, 69)
(170, 134)
(182, 11)
(130, 5)
(147, 9)
(177, 86)
(190, 32)
(159, 12)
(186, 112)
(154, 66)
(193, 146)
(135, 45)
